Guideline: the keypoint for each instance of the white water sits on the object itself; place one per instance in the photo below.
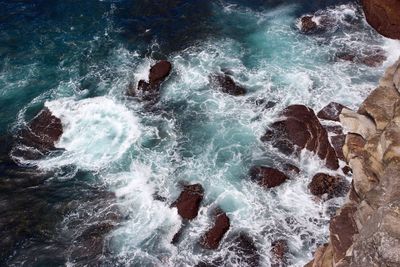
(212, 138)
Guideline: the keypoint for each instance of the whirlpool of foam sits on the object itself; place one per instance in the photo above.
(96, 132)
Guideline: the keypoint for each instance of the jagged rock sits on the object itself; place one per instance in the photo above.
(189, 201)
(40, 135)
(151, 89)
(290, 168)
(396, 76)
(334, 129)
(267, 177)
(354, 146)
(383, 15)
(338, 143)
(300, 129)
(307, 25)
(333, 186)
(331, 111)
(323, 257)
(213, 236)
(342, 229)
(379, 105)
(279, 250)
(357, 123)
(226, 84)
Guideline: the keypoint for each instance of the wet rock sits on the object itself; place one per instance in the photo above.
(150, 90)
(267, 177)
(331, 112)
(334, 129)
(342, 229)
(370, 58)
(300, 129)
(347, 170)
(338, 143)
(213, 236)
(307, 25)
(226, 84)
(279, 250)
(188, 203)
(333, 186)
(244, 248)
(383, 16)
(373, 60)
(345, 56)
(42, 132)
(290, 168)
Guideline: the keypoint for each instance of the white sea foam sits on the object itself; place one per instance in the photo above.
(96, 132)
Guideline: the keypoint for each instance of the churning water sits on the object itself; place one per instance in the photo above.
(78, 59)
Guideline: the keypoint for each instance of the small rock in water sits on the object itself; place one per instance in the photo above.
(150, 90)
(243, 246)
(267, 177)
(291, 168)
(307, 24)
(331, 111)
(227, 84)
(323, 183)
(189, 201)
(279, 250)
(213, 236)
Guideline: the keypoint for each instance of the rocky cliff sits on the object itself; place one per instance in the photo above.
(366, 230)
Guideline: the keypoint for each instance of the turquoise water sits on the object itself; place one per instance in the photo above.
(78, 59)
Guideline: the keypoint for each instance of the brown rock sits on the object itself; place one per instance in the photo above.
(331, 112)
(307, 24)
(383, 15)
(279, 250)
(41, 133)
(301, 129)
(189, 201)
(338, 143)
(325, 184)
(267, 177)
(226, 84)
(290, 168)
(342, 229)
(213, 236)
(150, 90)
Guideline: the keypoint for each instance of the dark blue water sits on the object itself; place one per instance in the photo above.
(93, 204)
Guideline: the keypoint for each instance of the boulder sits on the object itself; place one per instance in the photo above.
(188, 203)
(331, 112)
(307, 25)
(214, 235)
(150, 90)
(226, 84)
(41, 133)
(338, 143)
(279, 250)
(267, 177)
(300, 129)
(383, 16)
(333, 186)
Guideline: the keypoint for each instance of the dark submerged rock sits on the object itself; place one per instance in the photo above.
(267, 177)
(307, 25)
(331, 111)
(244, 248)
(213, 236)
(188, 203)
(290, 168)
(338, 143)
(226, 84)
(301, 129)
(279, 250)
(326, 184)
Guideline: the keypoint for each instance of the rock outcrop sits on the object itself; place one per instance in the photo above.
(366, 230)
(150, 90)
(333, 186)
(384, 16)
(299, 128)
(39, 136)
(188, 202)
(267, 177)
(226, 84)
(214, 235)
